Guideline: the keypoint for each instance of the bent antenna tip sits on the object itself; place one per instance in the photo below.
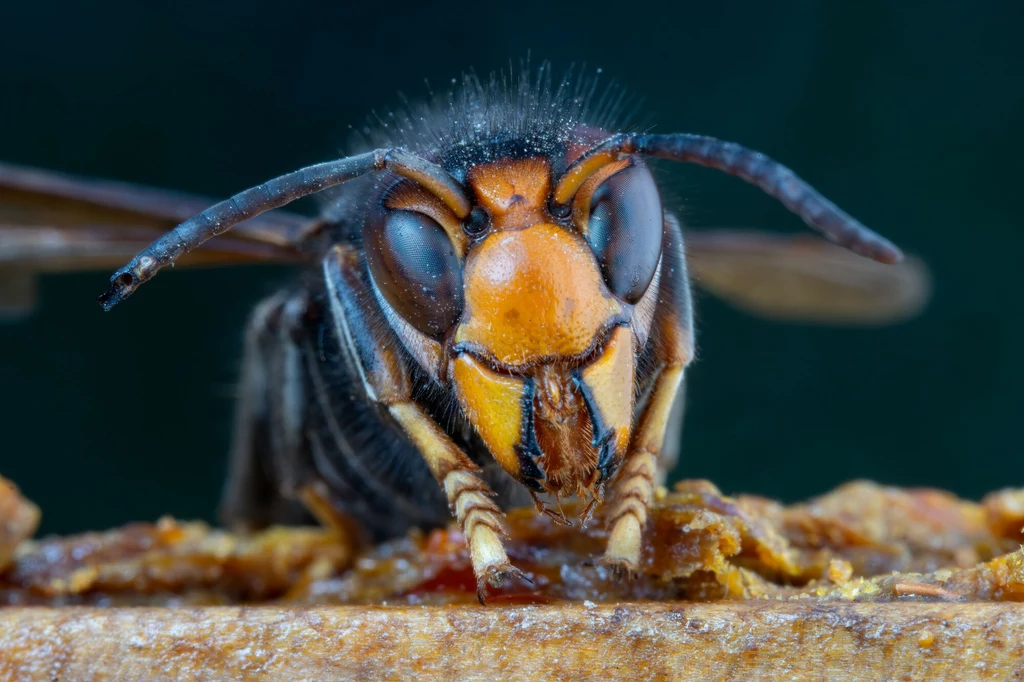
(122, 284)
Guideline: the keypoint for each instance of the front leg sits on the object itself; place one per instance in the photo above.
(468, 496)
(371, 348)
(633, 489)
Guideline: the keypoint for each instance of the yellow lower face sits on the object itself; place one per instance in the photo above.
(534, 294)
(496, 405)
(607, 384)
(558, 428)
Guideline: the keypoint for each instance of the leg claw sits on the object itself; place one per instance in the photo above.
(620, 569)
(494, 576)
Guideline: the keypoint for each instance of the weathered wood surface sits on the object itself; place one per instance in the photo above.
(683, 641)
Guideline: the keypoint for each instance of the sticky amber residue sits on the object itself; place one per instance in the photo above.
(493, 404)
(532, 294)
(19, 519)
(839, 571)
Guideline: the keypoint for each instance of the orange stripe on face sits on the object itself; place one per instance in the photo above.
(494, 405)
(578, 173)
(532, 294)
(514, 191)
(585, 194)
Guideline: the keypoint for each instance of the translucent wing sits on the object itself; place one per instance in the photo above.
(51, 222)
(804, 279)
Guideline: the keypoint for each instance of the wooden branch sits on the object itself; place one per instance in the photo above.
(683, 641)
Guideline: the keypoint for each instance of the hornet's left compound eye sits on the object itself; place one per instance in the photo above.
(414, 265)
(624, 229)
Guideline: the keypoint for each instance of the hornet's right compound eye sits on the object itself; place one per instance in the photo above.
(624, 229)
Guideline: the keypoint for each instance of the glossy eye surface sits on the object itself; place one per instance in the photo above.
(625, 231)
(414, 265)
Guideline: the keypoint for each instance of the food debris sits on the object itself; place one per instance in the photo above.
(19, 519)
(861, 542)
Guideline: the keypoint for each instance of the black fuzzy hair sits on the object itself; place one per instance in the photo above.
(523, 114)
(515, 114)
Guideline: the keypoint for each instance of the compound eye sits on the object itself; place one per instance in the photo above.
(625, 231)
(414, 265)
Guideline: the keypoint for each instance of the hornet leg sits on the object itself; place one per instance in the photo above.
(671, 335)
(371, 348)
(267, 447)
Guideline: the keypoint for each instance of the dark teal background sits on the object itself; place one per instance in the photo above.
(908, 114)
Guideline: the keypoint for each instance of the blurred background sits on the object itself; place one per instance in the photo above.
(909, 115)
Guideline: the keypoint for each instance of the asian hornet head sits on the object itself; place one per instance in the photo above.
(534, 310)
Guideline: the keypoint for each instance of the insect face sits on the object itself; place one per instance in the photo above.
(531, 314)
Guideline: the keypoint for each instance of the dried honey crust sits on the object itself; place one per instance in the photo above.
(861, 542)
